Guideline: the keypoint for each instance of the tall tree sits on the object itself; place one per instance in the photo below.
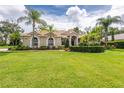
(112, 31)
(7, 28)
(87, 29)
(32, 17)
(43, 27)
(106, 22)
(15, 38)
(77, 30)
(99, 31)
(50, 29)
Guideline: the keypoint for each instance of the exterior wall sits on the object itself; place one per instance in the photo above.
(26, 41)
(58, 41)
(43, 41)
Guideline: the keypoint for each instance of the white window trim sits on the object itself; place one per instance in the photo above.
(48, 39)
(38, 41)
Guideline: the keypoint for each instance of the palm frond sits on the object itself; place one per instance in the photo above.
(23, 18)
(28, 22)
(42, 22)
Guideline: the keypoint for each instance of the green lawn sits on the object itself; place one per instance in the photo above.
(1, 47)
(62, 69)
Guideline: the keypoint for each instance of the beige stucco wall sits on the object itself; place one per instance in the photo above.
(58, 41)
(26, 41)
(43, 41)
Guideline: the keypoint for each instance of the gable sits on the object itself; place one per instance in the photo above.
(35, 33)
(52, 34)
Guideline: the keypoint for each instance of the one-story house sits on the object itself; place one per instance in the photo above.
(45, 38)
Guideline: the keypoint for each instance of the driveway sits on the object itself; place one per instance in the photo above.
(3, 49)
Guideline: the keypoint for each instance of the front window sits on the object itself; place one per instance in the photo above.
(35, 42)
(50, 42)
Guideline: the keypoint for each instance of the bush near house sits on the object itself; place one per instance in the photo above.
(117, 44)
(61, 47)
(2, 43)
(43, 47)
(20, 47)
(90, 44)
(91, 49)
(53, 48)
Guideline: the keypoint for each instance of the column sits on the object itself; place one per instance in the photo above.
(69, 40)
(76, 41)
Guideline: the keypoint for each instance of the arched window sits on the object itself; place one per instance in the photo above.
(50, 42)
(35, 42)
(73, 40)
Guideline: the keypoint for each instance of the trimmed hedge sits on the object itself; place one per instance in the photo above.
(2, 43)
(117, 44)
(20, 48)
(43, 47)
(90, 49)
(23, 48)
(53, 48)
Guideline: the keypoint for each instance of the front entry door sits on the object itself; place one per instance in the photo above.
(35, 42)
(50, 42)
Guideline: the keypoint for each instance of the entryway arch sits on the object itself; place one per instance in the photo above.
(35, 42)
(50, 42)
(73, 40)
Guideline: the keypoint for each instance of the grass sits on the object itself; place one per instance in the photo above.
(62, 69)
(1, 47)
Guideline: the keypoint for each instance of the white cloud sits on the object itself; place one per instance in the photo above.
(9, 12)
(60, 22)
(12, 12)
(116, 10)
(74, 16)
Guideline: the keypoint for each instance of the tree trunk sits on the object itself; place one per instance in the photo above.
(112, 36)
(33, 24)
(106, 36)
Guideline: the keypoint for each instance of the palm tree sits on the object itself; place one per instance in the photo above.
(106, 22)
(112, 32)
(32, 17)
(50, 29)
(43, 27)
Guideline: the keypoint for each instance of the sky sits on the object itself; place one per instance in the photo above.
(63, 17)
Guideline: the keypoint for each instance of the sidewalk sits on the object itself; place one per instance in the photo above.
(4, 50)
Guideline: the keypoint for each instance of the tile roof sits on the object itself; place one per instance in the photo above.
(60, 33)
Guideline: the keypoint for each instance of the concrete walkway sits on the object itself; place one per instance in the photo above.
(3, 49)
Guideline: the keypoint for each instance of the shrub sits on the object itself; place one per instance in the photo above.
(12, 48)
(91, 49)
(60, 47)
(83, 44)
(89, 44)
(22, 47)
(56, 47)
(117, 43)
(67, 49)
(66, 43)
(2, 43)
(43, 47)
